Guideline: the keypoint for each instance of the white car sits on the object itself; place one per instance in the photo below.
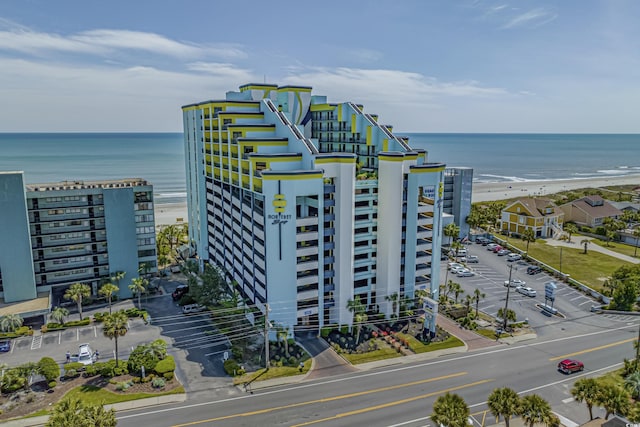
(451, 265)
(456, 268)
(470, 259)
(85, 355)
(525, 290)
(491, 246)
(515, 283)
(514, 257)
(465, 272)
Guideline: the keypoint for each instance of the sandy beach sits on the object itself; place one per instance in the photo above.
(176, 213)
(485, 191)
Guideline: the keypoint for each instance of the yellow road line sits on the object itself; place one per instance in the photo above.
(386, 405)
(323, 400)
(613, 344)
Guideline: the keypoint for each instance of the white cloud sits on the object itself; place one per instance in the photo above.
(531, 19)
(97, 42)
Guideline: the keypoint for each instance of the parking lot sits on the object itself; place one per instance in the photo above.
(492, 271)
(55, 344)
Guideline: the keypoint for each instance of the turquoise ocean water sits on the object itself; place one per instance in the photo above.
(159, 157)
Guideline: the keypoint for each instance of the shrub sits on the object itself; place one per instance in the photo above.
(48, 368)
(123, 386)
(146, 379)
(136, 380)
(236, 352)
(168, 376)
(231, 367)
(110, 370)
(293, 361)
(71, 373)
(140, 357)
(99, 316)
(167, 364)
(91, 370)
(157, 383)
(53, 326)
(82, 322)
(52, 384)
(76, 366)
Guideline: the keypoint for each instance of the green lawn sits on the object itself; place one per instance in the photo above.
(618, 247)
(419, 347)
(98, 395)
(372, 356)
(592, 268)
(273, 372)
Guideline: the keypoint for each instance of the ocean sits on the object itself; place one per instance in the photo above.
(159, 157)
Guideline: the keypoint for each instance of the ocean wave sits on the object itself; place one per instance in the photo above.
(502, 178)
(170, 195)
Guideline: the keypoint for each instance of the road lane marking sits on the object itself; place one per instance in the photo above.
(589, 350)
(390, 371)
(389, 404)
(326, 399)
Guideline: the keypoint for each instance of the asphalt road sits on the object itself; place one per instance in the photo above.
(404, 395)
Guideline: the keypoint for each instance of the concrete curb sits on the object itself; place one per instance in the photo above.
(122, 406)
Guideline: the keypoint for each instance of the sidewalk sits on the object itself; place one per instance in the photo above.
(592, 247)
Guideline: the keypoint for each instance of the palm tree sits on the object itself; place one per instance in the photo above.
(115, 325)
(585, 243)
(355, 307)
(456, 246)
(586, 390)
(528, 236)
(614, 399)
(636, 234)
(634, 413)
(77, 292)
(58, 314)
(510, 315)
(10, 322)
(570, 229)
(137, 287)
(157, 348)
(359, 318)
(450, 410)
(477, 295)
(107, 290)
(393, 299)
(451, 231)
(468, 299)
(282, 333)
(503, 402)
(534, 409)
(457, 290)
(632, 383)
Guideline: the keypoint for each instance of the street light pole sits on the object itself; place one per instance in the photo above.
(266, 337)
(506, 301)
(638, 350)
(560, 260)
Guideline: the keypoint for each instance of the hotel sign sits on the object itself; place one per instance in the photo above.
(279, 204)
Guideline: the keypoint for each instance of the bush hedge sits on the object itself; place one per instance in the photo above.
(167, 364)
(49, 368)
(140, 357)
(21, 331)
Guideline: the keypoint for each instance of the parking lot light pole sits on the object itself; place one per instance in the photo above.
(506, 301)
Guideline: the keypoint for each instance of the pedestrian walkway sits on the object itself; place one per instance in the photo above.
(591, 247)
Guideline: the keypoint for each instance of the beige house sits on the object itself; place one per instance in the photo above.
(540, 215)
(590, 211)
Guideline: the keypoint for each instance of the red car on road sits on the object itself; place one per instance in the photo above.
(569, 366)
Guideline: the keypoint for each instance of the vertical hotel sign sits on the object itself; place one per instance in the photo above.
(279, 218)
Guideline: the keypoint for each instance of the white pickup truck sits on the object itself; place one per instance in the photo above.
(85, 355)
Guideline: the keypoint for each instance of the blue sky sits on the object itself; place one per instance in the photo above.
(423, 66)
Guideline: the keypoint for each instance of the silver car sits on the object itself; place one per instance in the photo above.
(525, 290)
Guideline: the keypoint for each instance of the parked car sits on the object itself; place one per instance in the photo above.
(470, 259)
(497, 249)
(534, 269)
(503, 252)
(193, 308)
(492, 246)
(85, 355)
(569, 366)
(456, 268)
(465, 272)
(5, 346)
(179, 292)
(454, 264)
(514, 257)
(525, 290)
(515, 283)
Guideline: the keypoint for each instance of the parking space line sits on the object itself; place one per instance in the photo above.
(575, 298)
(59, 337)
(95, 332)
(36, 342)
(586, 302)
(489, 306)
(78, 334)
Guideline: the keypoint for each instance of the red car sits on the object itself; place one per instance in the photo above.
(569, 366)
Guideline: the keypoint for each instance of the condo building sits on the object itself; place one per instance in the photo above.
(57, 234)
(458, 186)
(307, 204)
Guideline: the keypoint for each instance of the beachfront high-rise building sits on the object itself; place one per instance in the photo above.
(458, 183)
(307, 204)
(69, 232)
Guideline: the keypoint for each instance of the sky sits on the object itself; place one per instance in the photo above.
(564, 66)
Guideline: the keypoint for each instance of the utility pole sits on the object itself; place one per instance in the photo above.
(266, 337)
(506, 301)
(560, 260)
(638, 351)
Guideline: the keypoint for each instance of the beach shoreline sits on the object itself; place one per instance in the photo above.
(176, 213)
(490, 191)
